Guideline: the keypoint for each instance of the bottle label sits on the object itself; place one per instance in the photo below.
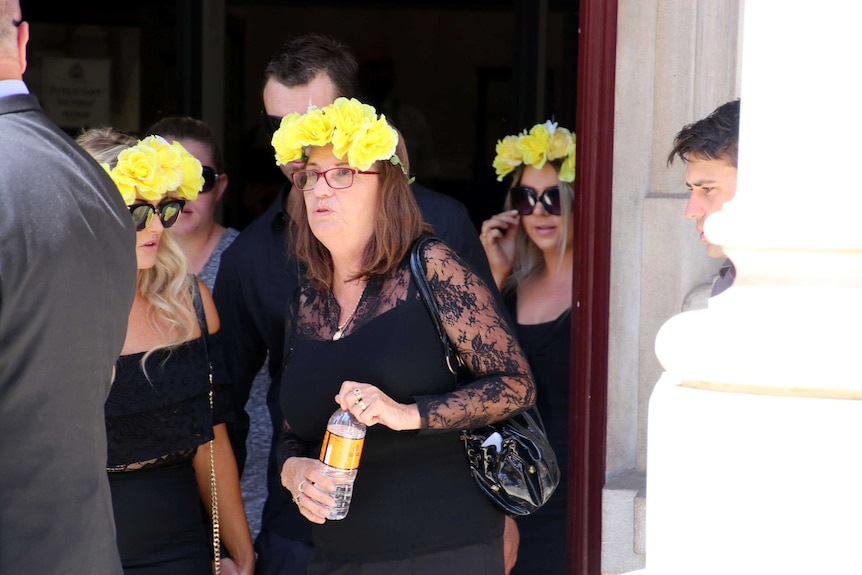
(341, 452)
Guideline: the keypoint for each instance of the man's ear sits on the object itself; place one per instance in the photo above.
(23, 38)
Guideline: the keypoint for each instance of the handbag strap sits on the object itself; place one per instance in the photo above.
(202, 322)
(454, 361)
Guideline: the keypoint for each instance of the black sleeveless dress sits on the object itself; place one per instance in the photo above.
(154, 428)
(542, 549)
(415, 507)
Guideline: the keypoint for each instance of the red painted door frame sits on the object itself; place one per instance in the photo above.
(594, 124)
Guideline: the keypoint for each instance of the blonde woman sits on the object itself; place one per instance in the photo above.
(530, 249)
(167, 443)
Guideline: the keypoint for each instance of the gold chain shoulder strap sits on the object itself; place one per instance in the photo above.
(202, 320)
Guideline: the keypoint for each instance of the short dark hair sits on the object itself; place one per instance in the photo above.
(715, 137)
(302, 58)
(188, 128)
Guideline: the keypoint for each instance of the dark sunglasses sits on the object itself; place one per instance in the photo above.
(524, 200)
(168, 210)
(210, 179)
(269, 123)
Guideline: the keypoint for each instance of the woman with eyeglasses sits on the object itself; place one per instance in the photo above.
(360, 338)
(530, 249)
(167, 443)
(200, 236)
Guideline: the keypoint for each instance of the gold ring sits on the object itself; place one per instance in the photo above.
(357, 393)
(301, 483)
(361, 405)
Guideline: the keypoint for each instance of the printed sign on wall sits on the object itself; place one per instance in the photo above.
(76, 92)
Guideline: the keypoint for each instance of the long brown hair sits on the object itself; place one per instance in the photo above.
(398, 223)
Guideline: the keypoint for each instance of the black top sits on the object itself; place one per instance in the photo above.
(255, 281)
(543, 534)
(163, 419)
(413, 493)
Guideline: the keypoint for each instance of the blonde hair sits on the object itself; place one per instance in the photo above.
(528, 257)
(166, 286)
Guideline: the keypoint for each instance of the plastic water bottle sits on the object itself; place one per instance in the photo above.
(341, 451)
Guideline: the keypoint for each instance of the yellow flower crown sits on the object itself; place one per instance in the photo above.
(542, 143)
(152, 168)
(353, 128)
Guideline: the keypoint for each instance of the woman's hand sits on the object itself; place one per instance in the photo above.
(371, 406)
(229, 567)
(311, 489)
(498, 239)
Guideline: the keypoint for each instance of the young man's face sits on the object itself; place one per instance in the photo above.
(279, 100)
(712, 183)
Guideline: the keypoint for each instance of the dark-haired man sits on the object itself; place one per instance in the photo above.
(710, 150)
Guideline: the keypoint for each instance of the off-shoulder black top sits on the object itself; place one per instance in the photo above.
(162, 419)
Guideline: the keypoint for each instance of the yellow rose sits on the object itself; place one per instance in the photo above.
(314, 128)
(534, 146)
(285, 140)
(350, 118)
(126, 185)
(376, 141)
(350, 114)
(560, 144)
(508, 156)
(567, 171)
(140, 165)
(192, 178)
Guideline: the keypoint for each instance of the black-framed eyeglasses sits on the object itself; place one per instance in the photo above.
(269, 123)
(168, 210)
(524, 199)
(210, 178)
(337, 178)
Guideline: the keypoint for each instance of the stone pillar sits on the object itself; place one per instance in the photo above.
(754, 428)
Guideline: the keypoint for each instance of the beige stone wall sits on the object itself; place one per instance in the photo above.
(677, 60)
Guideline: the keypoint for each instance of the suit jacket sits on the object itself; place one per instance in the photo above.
(67, 280)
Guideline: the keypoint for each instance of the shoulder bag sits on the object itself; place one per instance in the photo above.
(511, 460)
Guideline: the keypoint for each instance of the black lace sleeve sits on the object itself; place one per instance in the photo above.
(289, 445)
(503, 384)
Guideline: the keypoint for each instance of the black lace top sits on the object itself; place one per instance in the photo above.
(163, 420)
(413, 492)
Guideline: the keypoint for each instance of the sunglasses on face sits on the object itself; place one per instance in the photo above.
(210, 179)
(524, 199)
(168, 211)
(269, 123)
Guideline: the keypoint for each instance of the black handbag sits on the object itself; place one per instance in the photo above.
(511, 460)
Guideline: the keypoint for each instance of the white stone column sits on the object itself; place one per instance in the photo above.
(755, 428)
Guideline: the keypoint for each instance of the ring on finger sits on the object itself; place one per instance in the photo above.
(357, 393)
(296, 498)
(361, 405)
(301, 483)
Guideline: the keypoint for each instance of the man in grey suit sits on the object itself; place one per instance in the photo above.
(67, 280)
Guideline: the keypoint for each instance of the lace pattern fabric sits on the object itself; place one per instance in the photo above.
(477, 326)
